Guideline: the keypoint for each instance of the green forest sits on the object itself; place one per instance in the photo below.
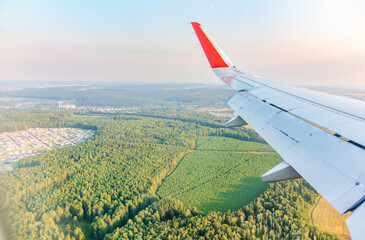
(110, 187)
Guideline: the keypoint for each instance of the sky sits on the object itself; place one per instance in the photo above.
(302, 42)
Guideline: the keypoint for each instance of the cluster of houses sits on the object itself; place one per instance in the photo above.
(21, 144)
(222, 113)
(114, 109)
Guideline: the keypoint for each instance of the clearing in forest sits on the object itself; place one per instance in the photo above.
(229, 144)
(221, 174)
(326, 218)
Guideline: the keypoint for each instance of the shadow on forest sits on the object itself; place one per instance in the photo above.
(240, 195)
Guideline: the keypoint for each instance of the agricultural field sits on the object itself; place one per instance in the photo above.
(221, 174)
(325, 217)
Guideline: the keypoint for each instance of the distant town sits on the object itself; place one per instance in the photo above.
(15, 103)
(222, 113)
(21, 144)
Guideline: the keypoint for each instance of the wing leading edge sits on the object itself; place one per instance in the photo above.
(319, 136)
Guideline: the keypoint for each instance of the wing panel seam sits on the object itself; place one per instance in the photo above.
(304, 99)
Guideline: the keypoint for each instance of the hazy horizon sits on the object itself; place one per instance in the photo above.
(307, 43)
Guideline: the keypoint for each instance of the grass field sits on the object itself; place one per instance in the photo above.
(86, 228)
(328, 219)
(221, 174)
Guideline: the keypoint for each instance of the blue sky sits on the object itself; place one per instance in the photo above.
(297, 42)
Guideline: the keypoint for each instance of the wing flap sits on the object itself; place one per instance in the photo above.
(321, 116)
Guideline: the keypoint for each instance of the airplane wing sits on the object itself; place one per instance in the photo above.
(321, 137)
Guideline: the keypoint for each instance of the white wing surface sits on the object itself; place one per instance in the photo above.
(321, 137)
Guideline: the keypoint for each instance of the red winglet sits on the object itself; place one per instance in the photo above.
(215, 60)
